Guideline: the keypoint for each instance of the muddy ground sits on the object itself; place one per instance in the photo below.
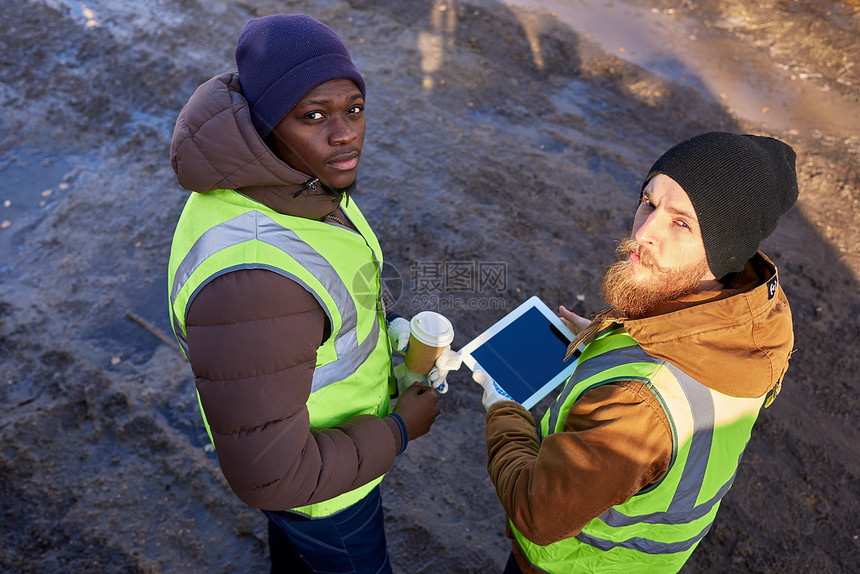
(500, 139)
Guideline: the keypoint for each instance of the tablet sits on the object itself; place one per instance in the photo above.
(524, 352)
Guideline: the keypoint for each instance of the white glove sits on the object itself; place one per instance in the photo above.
(405, 377)
(448, 361)
(398, 334)
(493, 393)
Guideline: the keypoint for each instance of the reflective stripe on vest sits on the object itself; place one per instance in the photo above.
(255, 225)
(656, 529)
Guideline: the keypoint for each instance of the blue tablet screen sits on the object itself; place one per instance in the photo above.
(525, 355)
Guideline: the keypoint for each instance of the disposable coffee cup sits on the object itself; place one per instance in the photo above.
(429, 334)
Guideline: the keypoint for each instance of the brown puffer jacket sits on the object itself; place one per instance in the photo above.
(253, 334)
(616, 439)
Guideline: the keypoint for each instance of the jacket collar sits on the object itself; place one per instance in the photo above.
(736, 341)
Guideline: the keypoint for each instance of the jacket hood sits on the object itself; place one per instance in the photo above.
(737, 345)
(736, 341)
(215, 144)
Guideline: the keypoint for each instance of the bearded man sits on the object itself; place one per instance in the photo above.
(627, 469)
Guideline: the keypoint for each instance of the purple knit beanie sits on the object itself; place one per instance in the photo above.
(281, 58)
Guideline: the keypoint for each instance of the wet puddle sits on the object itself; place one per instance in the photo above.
(83, 12)
(743, 78)
(29, 183)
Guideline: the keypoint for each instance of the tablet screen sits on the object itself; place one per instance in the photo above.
(525, 356)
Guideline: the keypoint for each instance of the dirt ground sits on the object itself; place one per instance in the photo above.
(504, 153)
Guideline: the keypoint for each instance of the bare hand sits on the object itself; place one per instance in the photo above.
(573, 321)
(418, 408)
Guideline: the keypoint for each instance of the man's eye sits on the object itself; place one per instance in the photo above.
(683, 223)
(356, 109)
(313, 116)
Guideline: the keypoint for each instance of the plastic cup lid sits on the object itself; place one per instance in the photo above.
(432, 329)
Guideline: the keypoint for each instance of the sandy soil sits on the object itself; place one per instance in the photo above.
(500, 138)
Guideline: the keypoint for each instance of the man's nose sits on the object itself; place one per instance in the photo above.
(341, 132)
(646, 231)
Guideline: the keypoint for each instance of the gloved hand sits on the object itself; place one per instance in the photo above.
(448, 361)
(406, 378)
(398, 334)
(493, 393)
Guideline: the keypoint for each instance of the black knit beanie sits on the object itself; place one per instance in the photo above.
(281, 58)
(740, 185)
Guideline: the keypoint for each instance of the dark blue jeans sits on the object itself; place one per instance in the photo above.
(349, 542)
(512, 567)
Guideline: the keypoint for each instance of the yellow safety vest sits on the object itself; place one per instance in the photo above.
(658, 528)
(223, 231)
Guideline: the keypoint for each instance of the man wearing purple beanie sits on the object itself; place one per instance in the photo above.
(275, 297)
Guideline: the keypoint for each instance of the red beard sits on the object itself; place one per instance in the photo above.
(634, 294)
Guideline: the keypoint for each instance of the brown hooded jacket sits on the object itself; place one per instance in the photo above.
(253, 334)
(616, 438)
